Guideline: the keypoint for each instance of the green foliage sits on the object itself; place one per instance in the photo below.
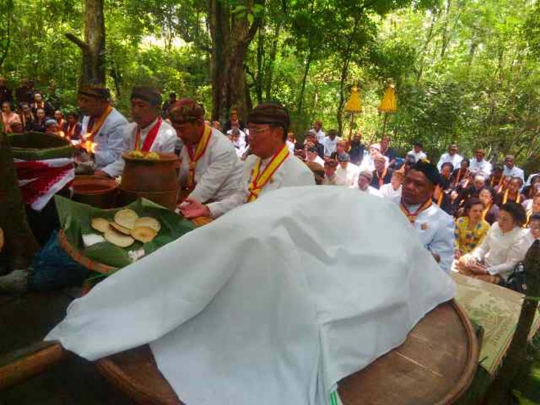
(466, 72)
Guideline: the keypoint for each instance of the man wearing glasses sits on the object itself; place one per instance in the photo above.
(271, 166)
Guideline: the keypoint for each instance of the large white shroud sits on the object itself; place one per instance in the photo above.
(273, 303)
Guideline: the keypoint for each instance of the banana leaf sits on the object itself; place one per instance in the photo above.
(75, 221)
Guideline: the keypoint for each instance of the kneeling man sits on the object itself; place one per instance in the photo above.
(148, 132)
(271, 166)
(209, 169)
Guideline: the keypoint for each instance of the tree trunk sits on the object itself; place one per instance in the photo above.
(269, 69)
(308, 62)
(9, 16)
(231, 36)
(20, 243)
(93, 46)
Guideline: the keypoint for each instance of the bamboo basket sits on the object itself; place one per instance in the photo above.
(39, 146)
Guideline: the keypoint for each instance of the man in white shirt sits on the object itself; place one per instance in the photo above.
(209, 167)
(363, 184)
(393, 189)
(317, 130)
(330, 176)
(347, 171)
(313, 156)
(148, 132)
(271, 166)
(330, 142)
(451, 156)
(511, 170)
(434, 226)
(417, 151)
(102, 127)
(479, 164)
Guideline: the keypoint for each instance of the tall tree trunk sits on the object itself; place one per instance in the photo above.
(269, 69)
(445, 32)
(344, 75)
(9, 16)
(20, 242)
(308, 61)
(93, 46)
(231, 36)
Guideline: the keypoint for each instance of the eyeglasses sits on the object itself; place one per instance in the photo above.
(253, 131)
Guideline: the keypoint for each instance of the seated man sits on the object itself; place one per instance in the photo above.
(435, 227)
(451, 157)
(330, 176)
(418, 151)
(363, 184)
(209, 168)
(271, 166)
(511, 170)
(102, 128)
(347, 171)
(148, 132)
(382, 173)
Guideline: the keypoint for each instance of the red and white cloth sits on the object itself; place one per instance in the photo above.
(40, 180)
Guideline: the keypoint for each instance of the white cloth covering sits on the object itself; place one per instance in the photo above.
(164, 143)
(264, 305)
(368, 191)
(218, 171)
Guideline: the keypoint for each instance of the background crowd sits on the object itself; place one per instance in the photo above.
(480, 194)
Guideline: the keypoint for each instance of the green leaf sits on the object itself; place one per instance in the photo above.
(250, 18)
(108, 254)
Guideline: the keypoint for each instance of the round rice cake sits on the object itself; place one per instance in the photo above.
(99, 224)
(117, 238)
(126, 218)
(148, 222)
(144, 234)
(120, 228)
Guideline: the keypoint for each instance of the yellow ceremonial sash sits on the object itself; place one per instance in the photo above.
(97, 126)
(259, 179)
(505, 197)
(486, 210)
(199, 152)
(411, 216)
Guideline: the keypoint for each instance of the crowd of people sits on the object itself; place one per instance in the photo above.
(475, 217)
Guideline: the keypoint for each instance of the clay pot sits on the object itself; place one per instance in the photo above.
(156, 180)
(98, 192)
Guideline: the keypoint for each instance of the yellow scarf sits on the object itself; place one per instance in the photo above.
(199, 153)
(259, 179)
(97, 126)
(505, 197)
(411, 216)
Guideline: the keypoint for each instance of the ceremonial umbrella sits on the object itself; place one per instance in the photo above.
(353, 106)
(388, 103)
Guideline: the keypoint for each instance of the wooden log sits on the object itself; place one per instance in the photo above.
(516, 362)
(28, 362)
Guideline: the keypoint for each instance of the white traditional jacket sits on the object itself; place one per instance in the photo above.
(164, 143)
(292, 173)
(218, 171)
(436, 230)
(109, 140)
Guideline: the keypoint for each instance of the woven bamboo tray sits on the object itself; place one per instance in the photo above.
(39, 146)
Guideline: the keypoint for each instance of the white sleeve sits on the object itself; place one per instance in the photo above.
(221, 207)
(223, 162)
(443, 244)
(116, 168)
(115, 147)
(517, 253)
(169, 143)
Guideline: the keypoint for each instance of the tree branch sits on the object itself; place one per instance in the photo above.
(80, 43)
